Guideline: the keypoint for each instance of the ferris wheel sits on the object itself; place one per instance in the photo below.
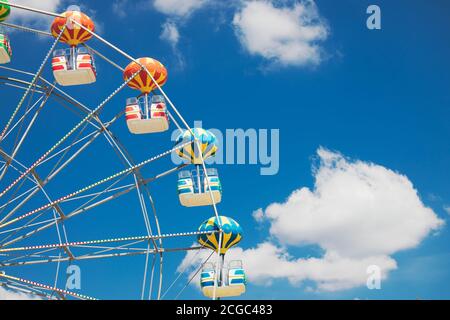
(65, 173)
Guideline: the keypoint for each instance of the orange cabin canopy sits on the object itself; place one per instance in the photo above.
(74, 34)
(142, 81)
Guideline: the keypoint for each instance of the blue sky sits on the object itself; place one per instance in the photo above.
(379, 96)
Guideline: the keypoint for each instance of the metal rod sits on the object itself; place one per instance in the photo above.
(101, 256)
(48, 13)
(43, 286)
(26, 29)
(87, 118)
(84, 209)
(147, 114)
(25, 134)
(199, 181)
(33, 82)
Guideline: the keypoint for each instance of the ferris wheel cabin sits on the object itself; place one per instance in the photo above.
(147, 116)
(73, 67)
(232, 284)
(193, 189)
(5, 49)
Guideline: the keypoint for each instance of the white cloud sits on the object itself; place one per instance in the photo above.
(258, 215)
(6, 294)
(287, 35)
(358, 213)
(35, 19)
(356, 209)
(178, 8)
(268, 262)
(447, 209)
(170, 33)
(178, 12)
(119, 8)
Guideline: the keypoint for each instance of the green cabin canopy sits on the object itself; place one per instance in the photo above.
(5, 10)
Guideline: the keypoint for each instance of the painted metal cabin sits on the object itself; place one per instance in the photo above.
(74, 66)
(144, 116)
(5, 49)
(232, 284)
(193, 190)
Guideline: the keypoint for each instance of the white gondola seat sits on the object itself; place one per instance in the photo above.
(233, 284)
(150, 121)
(193, 195)
(5, 49)
(236, 275)
(72, 71)
(207, 276)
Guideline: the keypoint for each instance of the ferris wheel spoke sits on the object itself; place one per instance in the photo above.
(92, 195)
(152, 277)
(144, 280)
(54, 222)
(158, 228)
(194, 275)
(20, 83)
(43, 100)
(102, 56)
(20, 87)
(180, 274)
(105, 241)
(137, 177)
(65, 164)
(65, 137)
(90, 207)
(117, 249)
(93, 136)
(8, 158)
(98, 195)
(46, 287)
(104, 127)
(32, 84)
(17, 198)
(16, 231)
(31, 225)
(125, 253)
(91, 250)
(25, 289)
(63, 150)
(35, 179)
(88, 251)
(14, 197)
(40, 255)
(4, 223)
(16, 124)
(57, 210)
(58, 93)
(67, 150)
(115, 143)
(139, 187)
(26, 29)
